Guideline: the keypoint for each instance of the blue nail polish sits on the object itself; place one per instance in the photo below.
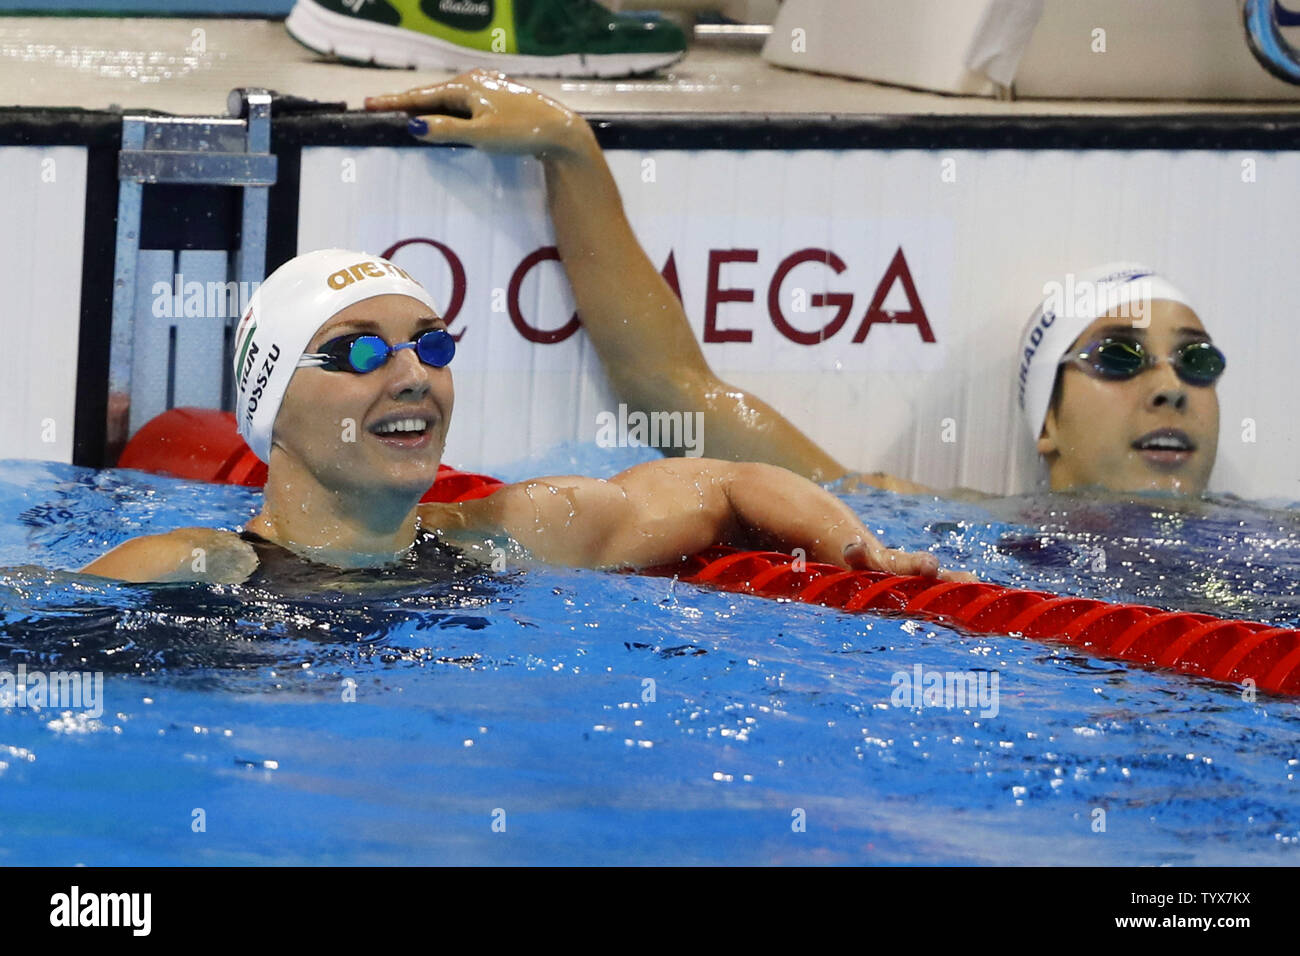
(417, 126)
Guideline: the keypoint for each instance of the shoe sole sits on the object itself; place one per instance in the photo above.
(363, 41)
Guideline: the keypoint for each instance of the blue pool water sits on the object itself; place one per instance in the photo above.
(523, 699)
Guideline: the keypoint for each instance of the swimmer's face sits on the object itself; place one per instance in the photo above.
(329, 419)
(1124, 435)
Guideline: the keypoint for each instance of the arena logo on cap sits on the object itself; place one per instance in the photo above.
(1093, 298)
(370, 269)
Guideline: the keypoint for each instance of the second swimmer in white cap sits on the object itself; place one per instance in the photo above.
(344, 388)
(1116, 383)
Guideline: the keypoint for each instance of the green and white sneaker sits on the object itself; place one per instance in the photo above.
(524, 37)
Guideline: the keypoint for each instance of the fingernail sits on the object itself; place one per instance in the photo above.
(417, 126)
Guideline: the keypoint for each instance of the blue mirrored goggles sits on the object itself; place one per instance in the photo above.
(363, 352)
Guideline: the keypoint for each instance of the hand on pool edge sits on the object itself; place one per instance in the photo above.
(871, 555)
(490, 111)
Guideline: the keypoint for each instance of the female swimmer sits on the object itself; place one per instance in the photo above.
(344, 389)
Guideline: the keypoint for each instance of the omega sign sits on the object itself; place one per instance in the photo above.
(821, 318)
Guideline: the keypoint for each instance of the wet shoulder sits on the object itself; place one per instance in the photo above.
(214, 554)
(185, 554)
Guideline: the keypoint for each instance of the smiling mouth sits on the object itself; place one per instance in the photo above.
(410, 432)
(1168, 447)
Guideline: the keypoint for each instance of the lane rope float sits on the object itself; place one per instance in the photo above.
(204, 445)
(1199, 645)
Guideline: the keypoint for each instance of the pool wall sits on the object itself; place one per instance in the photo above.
(868, 277)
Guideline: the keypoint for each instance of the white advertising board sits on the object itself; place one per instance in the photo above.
(42, 207)
(874, 296)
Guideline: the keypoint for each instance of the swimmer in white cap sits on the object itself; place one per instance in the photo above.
(344, 389)
(1136, 410)
(1116, 384)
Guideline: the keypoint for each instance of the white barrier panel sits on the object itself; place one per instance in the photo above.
(42, 207)
(944, 255)
(1067, 49)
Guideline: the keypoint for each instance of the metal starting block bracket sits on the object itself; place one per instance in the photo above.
(153, 343)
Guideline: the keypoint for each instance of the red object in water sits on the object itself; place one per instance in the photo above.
(1195, 644)
(204, 445)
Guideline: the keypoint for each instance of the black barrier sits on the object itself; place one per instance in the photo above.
(333, 908)
(1218, 131)
(100, 132)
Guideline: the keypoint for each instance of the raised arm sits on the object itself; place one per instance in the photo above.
(634, 320)
(639, 328)
(660, 511)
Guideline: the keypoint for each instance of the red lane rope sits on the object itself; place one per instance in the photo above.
(204, 445)
(1196, 644)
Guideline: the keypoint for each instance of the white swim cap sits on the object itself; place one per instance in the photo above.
(1068, 308)
(283, 315)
